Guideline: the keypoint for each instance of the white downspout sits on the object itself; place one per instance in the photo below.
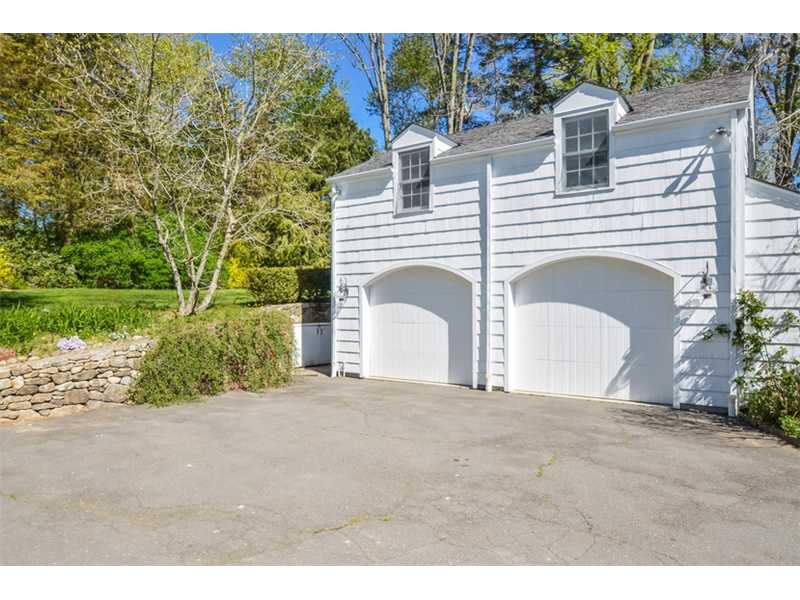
(737, 260)
(334, 194)
(489, 275)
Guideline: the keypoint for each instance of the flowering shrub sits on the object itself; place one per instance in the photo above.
(71, 343)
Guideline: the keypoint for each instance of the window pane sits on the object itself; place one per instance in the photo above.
(425, 170)
(423, 157)
(600, 123)
(406, 174)
(587, 161)
(572, 144)
(414, 172)
(407, 201)
(406, 189)
(601, 175)
(572, 163)
(601, 158)
(586, 177)
(571, 128)
(572, 179)
(585, 125)
(586, 143)
(600, 140)
(404, 159)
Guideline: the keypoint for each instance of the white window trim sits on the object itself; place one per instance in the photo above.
(560, 183)
(399, 211)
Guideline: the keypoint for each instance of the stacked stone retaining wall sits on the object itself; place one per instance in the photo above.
(43, 387)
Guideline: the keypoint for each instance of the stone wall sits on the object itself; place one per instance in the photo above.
(41, 387)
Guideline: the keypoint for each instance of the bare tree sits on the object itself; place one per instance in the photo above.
(368, 52)
(191, 135)
(775, 59)
(454, 76)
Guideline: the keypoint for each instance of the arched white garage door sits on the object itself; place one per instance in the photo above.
(593, 326)
(418, 326)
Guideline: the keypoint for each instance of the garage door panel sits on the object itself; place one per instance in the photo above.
(594, 327)
(420, 326)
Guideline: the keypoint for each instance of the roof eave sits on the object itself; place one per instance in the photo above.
(687, 114)
(359, 175)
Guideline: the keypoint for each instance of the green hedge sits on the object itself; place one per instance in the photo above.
(119, 262)
(197, 358)
(284, 285)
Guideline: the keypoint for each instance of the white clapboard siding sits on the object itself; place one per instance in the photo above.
(772, 252)
(671, 204)
(370, 237)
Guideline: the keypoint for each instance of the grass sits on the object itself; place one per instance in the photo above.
(32, 320)
(155, 299)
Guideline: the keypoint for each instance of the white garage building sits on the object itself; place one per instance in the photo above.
(578, 253)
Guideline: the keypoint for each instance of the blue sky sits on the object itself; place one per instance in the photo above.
(351, 82)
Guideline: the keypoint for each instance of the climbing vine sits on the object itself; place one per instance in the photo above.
(768, 378)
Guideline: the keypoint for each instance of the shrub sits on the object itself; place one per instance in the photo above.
(770, 380)
(118, 262)
(258, 350)
(19, 325)
(185, 364)
(791, 425)
(197, 358)
(8, 274)
(315, 284)
(237, 273)
(283, 285)
(273, 285)
(39, 267)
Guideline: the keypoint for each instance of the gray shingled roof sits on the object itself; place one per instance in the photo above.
(657, 103)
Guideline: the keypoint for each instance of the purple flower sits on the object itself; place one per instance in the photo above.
(71, 343)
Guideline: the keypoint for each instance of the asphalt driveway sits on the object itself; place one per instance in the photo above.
(363, 472)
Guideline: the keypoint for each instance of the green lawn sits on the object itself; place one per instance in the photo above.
(32, 320)
(157, 299)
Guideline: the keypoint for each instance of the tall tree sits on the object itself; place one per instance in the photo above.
(430, 81)
(46, 165)
(775, 59)
(368, 51)
(189, 135)
(517, 72)
(453, 75)
(629, 62)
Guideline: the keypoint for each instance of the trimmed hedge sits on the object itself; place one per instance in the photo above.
(196, 359)
(284, 285)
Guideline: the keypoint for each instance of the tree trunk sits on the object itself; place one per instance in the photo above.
(462, 103)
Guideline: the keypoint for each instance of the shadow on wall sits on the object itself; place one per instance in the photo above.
(571, 309)
(690, 174)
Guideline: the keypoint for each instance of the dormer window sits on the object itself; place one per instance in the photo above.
(415, 179)
(583, 123)
(585, 151)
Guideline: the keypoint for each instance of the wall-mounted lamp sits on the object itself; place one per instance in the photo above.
(342, 290)
(707, 286)
(721, 131)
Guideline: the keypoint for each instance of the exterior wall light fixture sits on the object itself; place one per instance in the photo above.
(342, 291)
(707, 286)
